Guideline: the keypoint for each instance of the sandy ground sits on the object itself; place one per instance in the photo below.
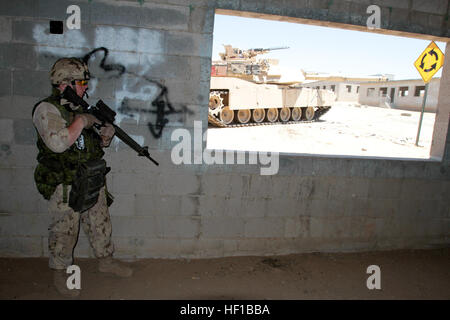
(418, 274)
(345, 130)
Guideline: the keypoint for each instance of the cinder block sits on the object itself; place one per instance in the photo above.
(47, 56)
(188, 93)
(419, 21)
(230, 247)
(148, 226)
(254, 207)
(151, 41)
(339, 11)
(38, 80)
(164, 17)
(383, 208)
(188, 44)
(5, 56)
(297, 8)
(384, 188)
(190, 205)
(260, 186)
(37, 33)
(158, 205)
(419, 189)
(117, 38)
(254, 246)
(127, 183)
(349, 188)
(196, 112)
(252, 6)
(24, 132)
(398, 19)
(357, 206)
(436, 170)
(6, 130)
(179, 185)
(16, 224)
(179, 227)
(20, 8)
(216, 206)
(124, 205)
(154, 248)
(18, 155)
(222, 227)
(23, 179)
(5, 83)
(288, 166)
(20, 246)
(215, 185)
(297, 227)
(305, 167)
(264, 227)
(278, 207)
(5, 29)
(329, 167)
(201, 20)
(314, 188)
(434, 6)
(23, 57)
(115, 13)
(166, 67)
(48, 9)
(228, 4)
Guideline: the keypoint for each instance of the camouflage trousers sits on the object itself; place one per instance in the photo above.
(64, 229)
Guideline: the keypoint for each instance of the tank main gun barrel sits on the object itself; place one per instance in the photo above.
(267, 49)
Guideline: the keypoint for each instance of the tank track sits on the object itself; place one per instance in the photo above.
(216, 122)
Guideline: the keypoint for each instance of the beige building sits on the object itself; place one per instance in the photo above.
(345, 91)
(400, 94)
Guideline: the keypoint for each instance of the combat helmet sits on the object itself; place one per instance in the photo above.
(66, 70)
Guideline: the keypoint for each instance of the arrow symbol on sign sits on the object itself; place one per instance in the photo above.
(431, 68)
(432, 52)
(421, 62)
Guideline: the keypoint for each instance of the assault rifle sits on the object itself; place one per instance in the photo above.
(105, 114)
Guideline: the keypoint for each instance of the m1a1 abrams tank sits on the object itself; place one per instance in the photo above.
(245, 91)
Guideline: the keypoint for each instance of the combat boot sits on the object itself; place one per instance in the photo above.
(60, 282)
(115, 267)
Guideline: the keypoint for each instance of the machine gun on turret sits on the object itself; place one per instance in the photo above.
(238, 54)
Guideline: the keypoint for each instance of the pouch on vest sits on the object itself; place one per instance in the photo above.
(90, 178)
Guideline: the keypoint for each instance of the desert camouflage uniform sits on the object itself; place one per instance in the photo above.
(51, 122)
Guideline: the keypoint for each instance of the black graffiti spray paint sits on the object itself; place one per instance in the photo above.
(162, 105)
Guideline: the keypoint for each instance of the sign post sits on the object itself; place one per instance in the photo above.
(428, 63)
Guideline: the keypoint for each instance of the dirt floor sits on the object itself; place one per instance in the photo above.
(345, 130)
(412, 274)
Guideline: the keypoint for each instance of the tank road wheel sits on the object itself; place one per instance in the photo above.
(215, 103)
(244, 115)
(285, 114)
(309, 113)
(272, 115)
(296, 114)
(258, 115)
(226, 115)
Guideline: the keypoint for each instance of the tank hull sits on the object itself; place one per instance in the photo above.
(234, 100)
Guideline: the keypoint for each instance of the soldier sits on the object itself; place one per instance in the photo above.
(70, 157)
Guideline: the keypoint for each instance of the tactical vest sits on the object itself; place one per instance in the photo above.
(61, 168)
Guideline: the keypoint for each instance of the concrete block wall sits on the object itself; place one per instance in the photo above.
(311, 204)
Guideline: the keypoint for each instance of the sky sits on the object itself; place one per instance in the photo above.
(322, 49)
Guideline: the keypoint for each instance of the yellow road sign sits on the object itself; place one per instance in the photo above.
(429, 61)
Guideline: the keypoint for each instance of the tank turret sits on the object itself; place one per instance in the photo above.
(243, 64)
